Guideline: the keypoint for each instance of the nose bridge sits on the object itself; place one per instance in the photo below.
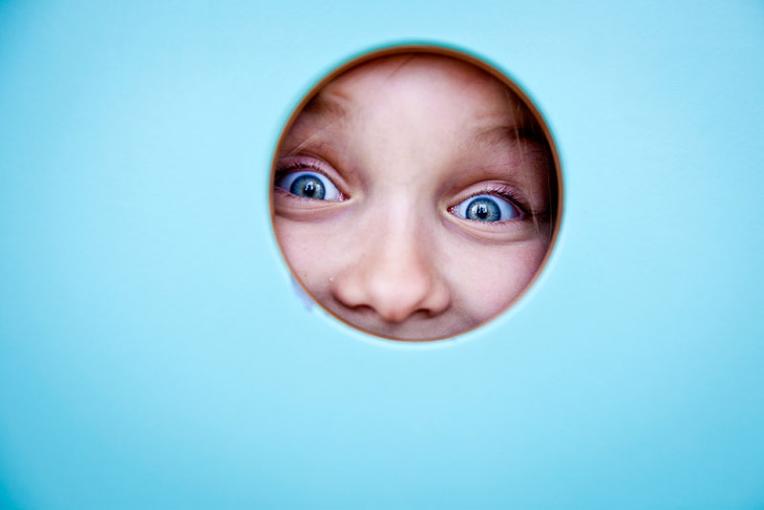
(397, 237)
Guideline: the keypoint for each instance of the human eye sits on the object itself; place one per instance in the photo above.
(306, 180)
(488, 208)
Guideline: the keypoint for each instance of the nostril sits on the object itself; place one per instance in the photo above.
(393, 290)
(361, 309)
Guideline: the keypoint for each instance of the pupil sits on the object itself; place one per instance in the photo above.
(483, 209)
(308, 186)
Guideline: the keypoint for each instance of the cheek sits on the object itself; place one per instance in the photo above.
(312, 251)
(487, 278)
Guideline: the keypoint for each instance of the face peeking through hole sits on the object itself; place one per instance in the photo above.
(414, 196)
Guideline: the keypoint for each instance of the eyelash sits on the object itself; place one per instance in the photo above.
(297, 165)
(502, 191)
(293, 166)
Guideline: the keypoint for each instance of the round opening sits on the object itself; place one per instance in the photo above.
(415, 193)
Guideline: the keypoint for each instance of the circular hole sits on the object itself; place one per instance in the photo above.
(415, 193)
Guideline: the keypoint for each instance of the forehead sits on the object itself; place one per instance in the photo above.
(415, 82)
(413, 68)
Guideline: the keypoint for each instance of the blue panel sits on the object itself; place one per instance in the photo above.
(154, 353)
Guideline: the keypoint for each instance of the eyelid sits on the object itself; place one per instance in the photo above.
(508, 210)
(293, 163)
(289, 164)
(499, 190)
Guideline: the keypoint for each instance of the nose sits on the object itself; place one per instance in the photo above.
(394, 276)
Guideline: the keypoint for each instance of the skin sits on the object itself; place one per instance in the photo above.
(405, 140)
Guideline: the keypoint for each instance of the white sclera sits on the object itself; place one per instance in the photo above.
(507, 211)
(331, 192)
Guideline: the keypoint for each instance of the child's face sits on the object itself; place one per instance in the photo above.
(413, 197)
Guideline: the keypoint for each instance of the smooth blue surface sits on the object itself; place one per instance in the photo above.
(153, 353)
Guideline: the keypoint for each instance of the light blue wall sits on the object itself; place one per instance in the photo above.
(153, 353)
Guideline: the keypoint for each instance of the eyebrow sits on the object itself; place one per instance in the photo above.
(515, 132)
(323, 105)
(532, 142)
(321, 111)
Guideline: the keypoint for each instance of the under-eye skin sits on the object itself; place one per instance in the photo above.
(487, 208)
(307, 182)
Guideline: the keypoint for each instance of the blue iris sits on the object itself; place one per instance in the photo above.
(483, 209)
(308, 186)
